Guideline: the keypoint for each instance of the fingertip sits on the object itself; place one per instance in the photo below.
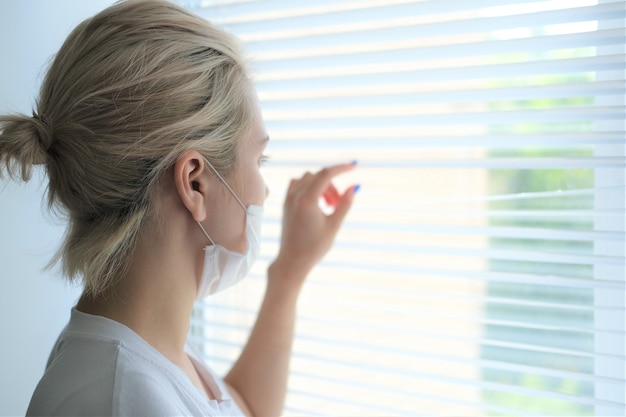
(356, 188)
(343, 207)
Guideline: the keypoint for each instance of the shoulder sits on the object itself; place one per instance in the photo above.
(93, 375)
(152, 386)
(78, 379)
(100, 367)
(144, 386)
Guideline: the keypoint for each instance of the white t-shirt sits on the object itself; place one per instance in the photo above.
(99, 367)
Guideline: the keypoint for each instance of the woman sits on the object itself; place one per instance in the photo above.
(152, 138)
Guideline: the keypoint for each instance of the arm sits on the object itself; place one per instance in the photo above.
(259, 377)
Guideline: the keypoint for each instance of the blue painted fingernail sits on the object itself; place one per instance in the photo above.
(354, 162)
(356, 188)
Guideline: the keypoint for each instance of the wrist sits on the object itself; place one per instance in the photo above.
(285, 278)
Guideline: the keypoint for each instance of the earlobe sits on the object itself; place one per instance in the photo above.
(191, 185)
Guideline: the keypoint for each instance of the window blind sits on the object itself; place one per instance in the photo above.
(481, 269)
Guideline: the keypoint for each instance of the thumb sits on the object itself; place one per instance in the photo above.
(342, 208)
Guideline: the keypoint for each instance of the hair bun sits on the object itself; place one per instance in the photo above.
(24, 142)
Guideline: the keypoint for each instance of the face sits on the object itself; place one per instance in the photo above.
(247, 177)
(229, 226)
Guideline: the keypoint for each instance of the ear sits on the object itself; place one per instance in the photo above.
(192, 183)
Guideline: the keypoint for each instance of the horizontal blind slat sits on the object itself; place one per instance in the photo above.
(481, 384)
(390, 95)
(436, 314)
(286, 9)
(441, 92)
(482, 163)
(572, 216)
(441, 12)
(523, 391)
(429, 397)
(407, 137)
(417, 113)
(487, 231)
(552, 280)
(451, 297)
(415, 72)
(419, 333)
(288, 32)
(337, 55)
(359, 403)
(450, 251)
(483, 364)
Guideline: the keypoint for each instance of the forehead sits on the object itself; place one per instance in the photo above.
(257, 135)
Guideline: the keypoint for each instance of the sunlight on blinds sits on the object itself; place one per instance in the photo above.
(481, 269)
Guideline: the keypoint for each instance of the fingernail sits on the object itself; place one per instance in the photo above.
(356, 188)
(354, 162)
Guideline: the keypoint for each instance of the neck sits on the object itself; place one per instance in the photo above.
(154, 299)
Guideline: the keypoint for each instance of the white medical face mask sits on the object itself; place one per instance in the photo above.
(224, 268)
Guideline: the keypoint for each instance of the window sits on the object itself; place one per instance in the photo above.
(481, 270)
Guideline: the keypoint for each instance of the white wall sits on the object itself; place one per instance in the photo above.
(34, 304)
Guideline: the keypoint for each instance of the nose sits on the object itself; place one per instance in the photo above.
(267, 192)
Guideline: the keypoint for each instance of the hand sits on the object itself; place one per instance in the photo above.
(307, 232)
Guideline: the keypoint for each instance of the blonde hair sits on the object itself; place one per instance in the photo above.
(130, 90)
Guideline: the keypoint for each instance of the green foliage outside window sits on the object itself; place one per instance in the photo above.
(540, 298)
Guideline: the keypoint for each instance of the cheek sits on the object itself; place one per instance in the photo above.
(261, 190)
(255, 189)
(228, 225)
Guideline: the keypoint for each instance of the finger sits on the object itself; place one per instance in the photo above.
(341, 210)
(331, 195)
(306, 176)
(291, 189)
(322, 179)
(302, 182)
(290, 192)
(292, 185)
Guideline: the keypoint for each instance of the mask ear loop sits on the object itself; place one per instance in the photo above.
(205, 233)
(229, 189)
(226, 184)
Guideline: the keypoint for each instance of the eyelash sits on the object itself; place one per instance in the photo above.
(263, 159)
